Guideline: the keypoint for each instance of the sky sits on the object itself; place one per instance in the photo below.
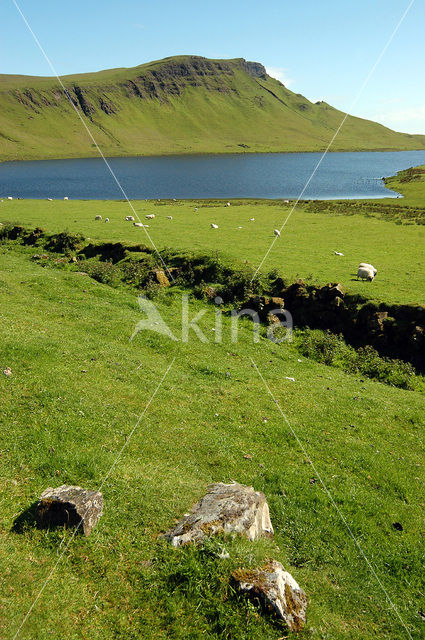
(323, 49)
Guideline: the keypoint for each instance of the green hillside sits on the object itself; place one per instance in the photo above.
(184, 104)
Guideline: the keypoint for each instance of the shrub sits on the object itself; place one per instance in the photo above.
(104, 272)
(65, 242)
(332, 350)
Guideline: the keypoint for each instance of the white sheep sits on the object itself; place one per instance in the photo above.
(227, 204)
(365, 265)
(50, 199)
(277, 233)
(129, 218)
(65, 198)
(251, 219)
(106, 219)
(338, 253)
(140, 224)
(214, 226)
(286, 201)
(98, 217)
(150, 216)
(365, 274)
(169, 217)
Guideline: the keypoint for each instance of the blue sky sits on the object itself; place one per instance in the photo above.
(323, 49)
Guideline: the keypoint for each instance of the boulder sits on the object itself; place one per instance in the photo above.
(69, 506)
(277, 590)
(161, 278)
(226, 508)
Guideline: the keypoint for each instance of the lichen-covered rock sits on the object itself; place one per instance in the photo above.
(226, 508)
(161, 278)
(69, 506)
(278, 590)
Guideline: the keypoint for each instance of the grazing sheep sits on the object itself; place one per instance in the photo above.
(98, 217)
(286, 201)
(169, 217)
(214, 226)
(106, 219)
(150, 216)
(365, 265)
(365, 274)
(338, 253)
(140, 224)
(129, 219)
(66, 198)
(277, 233)
(239, 227)
(251, 219)
(227, 204)
(50, 199)
(9, 198)
(196, 208)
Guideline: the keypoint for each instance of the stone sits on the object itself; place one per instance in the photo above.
(161, 278)
(226, 508)
(277, 590)
(69, 506)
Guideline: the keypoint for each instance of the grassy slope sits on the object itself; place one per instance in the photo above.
(306, 248)
(215, 111)
(77, 389)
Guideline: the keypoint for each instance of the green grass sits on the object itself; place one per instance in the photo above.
(305, 249)
(77, 389)
(79, 386)
(215, 106)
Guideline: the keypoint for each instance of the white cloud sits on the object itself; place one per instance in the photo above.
(408, 120)
(279, 73)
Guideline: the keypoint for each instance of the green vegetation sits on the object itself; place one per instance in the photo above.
(183, 104)
(79, 385)
(77, 389)
(305, 250)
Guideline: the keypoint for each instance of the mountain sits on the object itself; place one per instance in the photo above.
(182, 104)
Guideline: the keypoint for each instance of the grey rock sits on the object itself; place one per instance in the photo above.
(226, 508)
(278, 590)
(69, 506)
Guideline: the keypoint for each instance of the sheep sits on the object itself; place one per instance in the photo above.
(66, 198)
(129, 219)
(286, 201)
(169, 217)
(214, 226)
(150, 216)
(106, 219)
(365, 265)
(277, 233)
(50, 199)
(9, 198)
(365, 274)
(140, 224)
(251, 219)
(98, 217)
(338, 253)
(196, 208)
(227, 204)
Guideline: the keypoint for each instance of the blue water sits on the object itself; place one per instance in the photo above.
(268, 175)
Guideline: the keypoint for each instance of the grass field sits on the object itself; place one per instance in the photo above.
(79, 386)
(305, 249)
(77, 389)
(183, 104)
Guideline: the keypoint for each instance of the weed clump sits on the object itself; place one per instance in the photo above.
(332, 350)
